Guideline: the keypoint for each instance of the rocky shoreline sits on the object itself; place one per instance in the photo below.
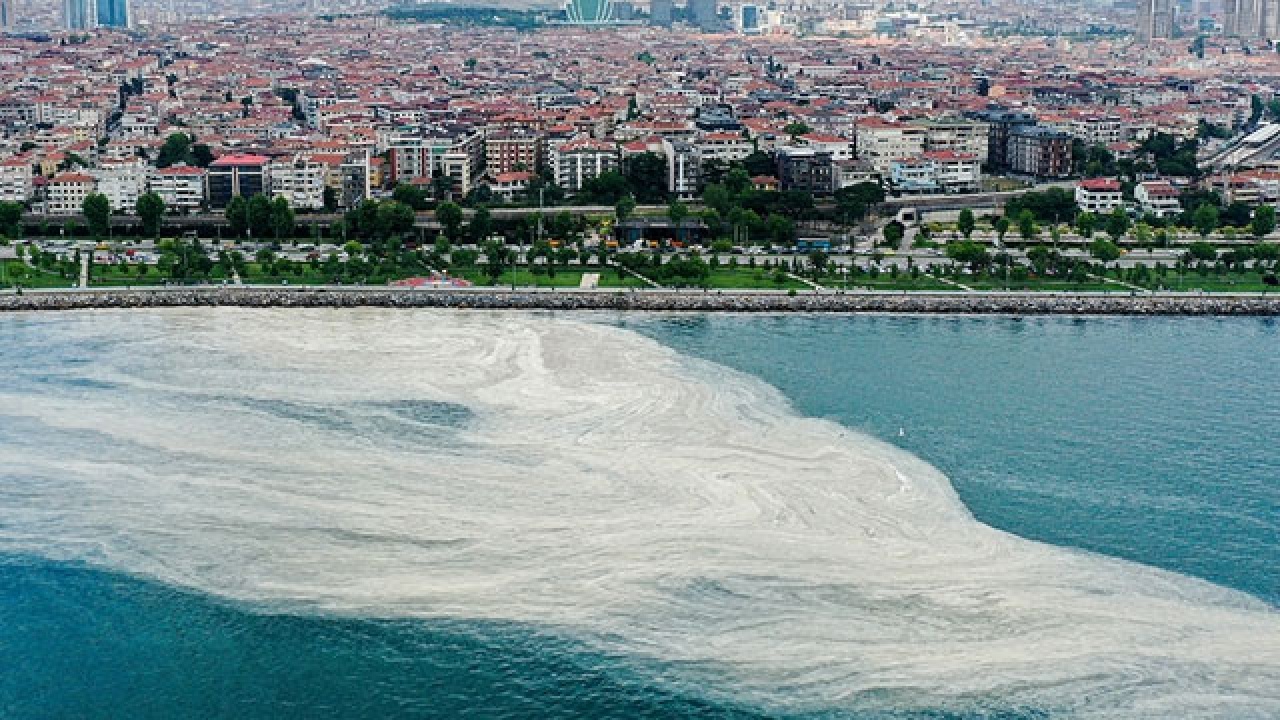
(651, 301)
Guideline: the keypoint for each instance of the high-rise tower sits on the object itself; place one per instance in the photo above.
(1155, 20)
(114, 13)
(589, 12)
(80, 14)
(1252, 19)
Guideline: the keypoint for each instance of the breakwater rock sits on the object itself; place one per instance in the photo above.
(650, 300)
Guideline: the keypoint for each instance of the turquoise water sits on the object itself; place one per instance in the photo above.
(1147, 440)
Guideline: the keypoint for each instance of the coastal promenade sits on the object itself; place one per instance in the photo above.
(1005, 303)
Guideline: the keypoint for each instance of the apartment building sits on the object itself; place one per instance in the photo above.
(430, 151)
(181, 187)
(1039, 152)
(300, 180)
(122, 181)
(1099, 196)
(67, 191)
(1157, 198)
(581, 159)
(508, 151)
(16, 180)
(881, 142)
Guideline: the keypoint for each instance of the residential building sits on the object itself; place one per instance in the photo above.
(232, 175)
(122, 181)
(508, 151)
(67, 192)
(300, 180)
(913, 175)
(16, 180)
(956, 135)
(1099, 196)
(806, 169)
(881, 142)
(1001, 125)
(1039, 152)
(581, 159)
(684, 168)
(431, 151)
(180, 186)
(723, 146)
(1157, 198)
(511, 186)
(956, 172)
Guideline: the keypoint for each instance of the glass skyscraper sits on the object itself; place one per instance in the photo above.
(113, 13)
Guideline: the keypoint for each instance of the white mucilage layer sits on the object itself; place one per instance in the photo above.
(597, 483)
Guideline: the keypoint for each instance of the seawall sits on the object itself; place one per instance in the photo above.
(658, 301)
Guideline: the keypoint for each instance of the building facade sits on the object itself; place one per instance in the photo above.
(232, 175)
(1155, 20)
(181, 187)
(1039, 152)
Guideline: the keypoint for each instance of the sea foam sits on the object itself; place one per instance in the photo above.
(579, 477)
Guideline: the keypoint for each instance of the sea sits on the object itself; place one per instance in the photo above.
(286, 513)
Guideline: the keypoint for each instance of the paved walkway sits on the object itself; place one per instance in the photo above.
(953, 283)
(1121, 283)
(810, 283)
(589, 281)
(85, 257)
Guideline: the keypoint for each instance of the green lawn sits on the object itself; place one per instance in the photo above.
(729, 278)
(885, 281)
(16, 273)
(1045, 285)
(1227, 282)
(563, 278)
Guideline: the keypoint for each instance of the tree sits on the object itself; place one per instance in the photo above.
(1104, 250)
(646, 176)
(1027, 226)
(1117, 223)
(1205, 219)
(259, 213)
(796, 129)
(969, 253)
(481, 226)
(1237, 214)
(717, 197)
(677, 212)
(1202, 251)
(966, 223)
(97, 213)
(758, 163)
(176, 149)
(282, 219)
(393, 218)
(450, 217)
(238, 215)
(1001, 225)
(1264, 221)
(853, 202)
(1086, 224)
(894, 232)
(150, 209)
(11, 218)
(497, 259)
(624, 207)
(410, 195)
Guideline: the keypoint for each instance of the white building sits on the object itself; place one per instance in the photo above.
(15, 180)
(1157, 198)
(122, 181)
(299, 180)
(181, 187)
(881, 142)
(1099, 195)
(956, 171)
(67, 192)
(581, 159)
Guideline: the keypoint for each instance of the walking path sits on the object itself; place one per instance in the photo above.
(1121, 283)
(85, 257)
(953, 283)
(589, 281)
(810, 283)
